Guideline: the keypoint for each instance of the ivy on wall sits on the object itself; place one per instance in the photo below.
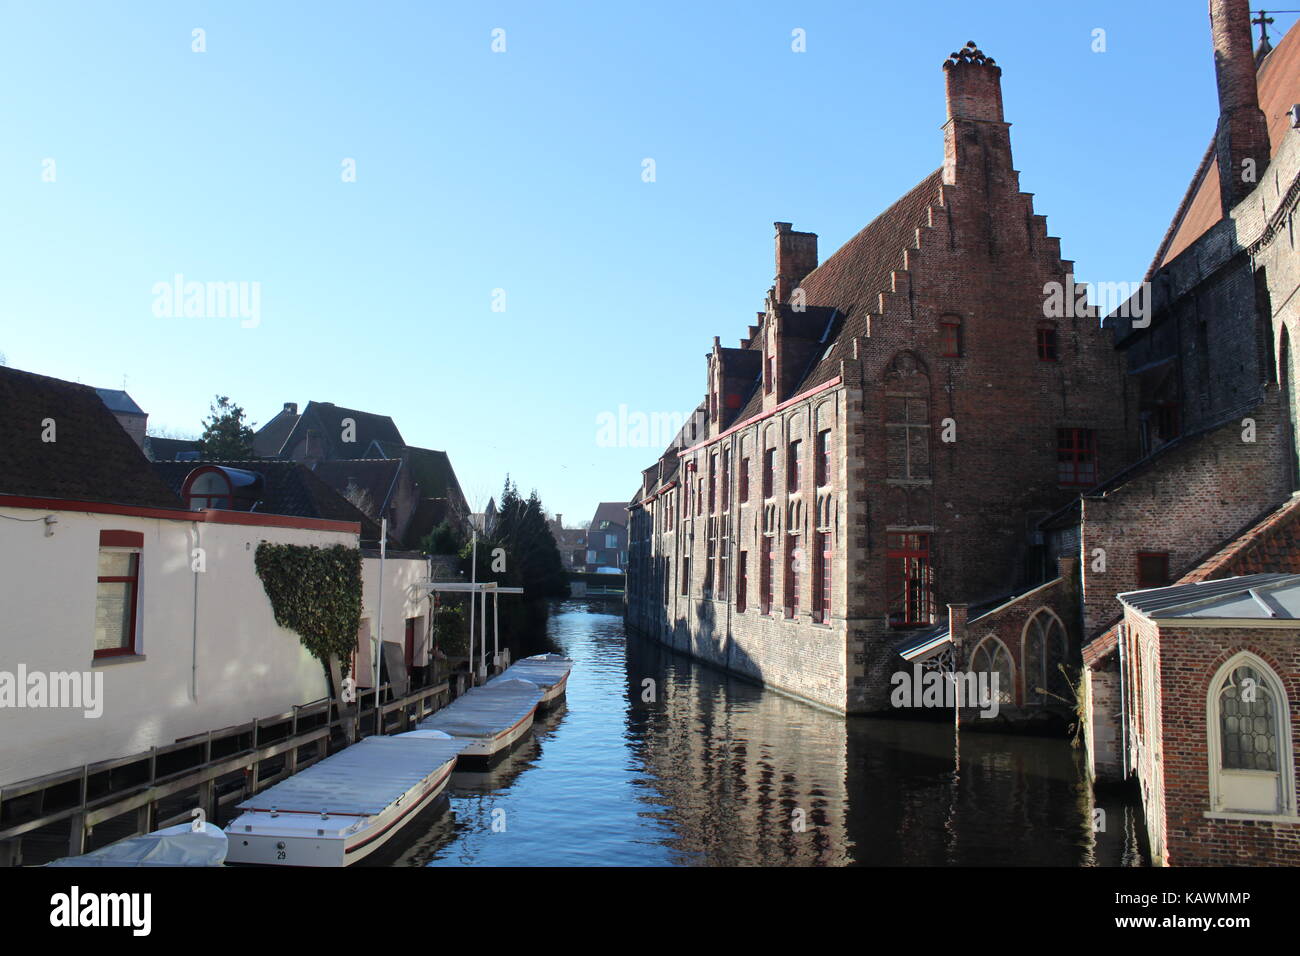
(315, 592)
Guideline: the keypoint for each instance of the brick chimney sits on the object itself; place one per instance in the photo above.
(957, 631)
(1243, 131)
(976, 139)
(796, 256)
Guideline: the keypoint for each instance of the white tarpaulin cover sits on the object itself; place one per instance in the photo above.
(361, 779)
(544, 670)
(486, 711)
(180, 845)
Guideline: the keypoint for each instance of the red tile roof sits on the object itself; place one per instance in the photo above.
(1279, 88)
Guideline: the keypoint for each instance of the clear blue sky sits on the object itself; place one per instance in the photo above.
(521, 171)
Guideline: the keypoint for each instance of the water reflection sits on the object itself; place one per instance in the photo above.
(657, 760)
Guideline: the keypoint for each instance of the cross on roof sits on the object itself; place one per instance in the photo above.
(1262, 21)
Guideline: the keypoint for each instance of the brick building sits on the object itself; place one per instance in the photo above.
(850, 470)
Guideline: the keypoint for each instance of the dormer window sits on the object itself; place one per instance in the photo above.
(210, 489)
(227, 489)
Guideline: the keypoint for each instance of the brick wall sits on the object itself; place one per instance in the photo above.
(1187, 503)
(1172, 758)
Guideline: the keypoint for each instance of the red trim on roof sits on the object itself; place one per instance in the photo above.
(208, 515)
(767, 414)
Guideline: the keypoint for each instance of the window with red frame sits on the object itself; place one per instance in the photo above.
(743, 491)
(726, 480)
(1153, 569)
(769, 470)
(823, 458)
(822, 579)
(793, 560)
(742, 581)
(909, 579)
(117, 592)
(1047, 351)
(767, 573)
(794, 472)
(1076, 456)
(950, 336)
(713, 482)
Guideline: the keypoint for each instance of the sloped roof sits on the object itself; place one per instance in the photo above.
(852, 279)
(119, 401)
(91, 459)
(166, 449)
(615, 512)
(849, 283)
(1278, 80)
(1250, 597)
(329, 418)
(374, 476)
(432, 471)
(268, 441)
(288, 488)
(1271, 544)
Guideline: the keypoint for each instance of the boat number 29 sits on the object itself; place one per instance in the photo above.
(279, 851)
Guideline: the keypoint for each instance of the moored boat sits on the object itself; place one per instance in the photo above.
(489, 719)
(345, 807)
(550, 672)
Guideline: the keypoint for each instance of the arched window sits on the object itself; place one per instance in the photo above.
(208, 488)
(992, 658)
(1044, 654)
(1249, 726)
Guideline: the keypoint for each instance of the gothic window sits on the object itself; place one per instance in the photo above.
(1248, 718)
(907, 436)
(992, 658)
(1045, 652)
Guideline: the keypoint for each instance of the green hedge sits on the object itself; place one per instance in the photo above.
(315, 592)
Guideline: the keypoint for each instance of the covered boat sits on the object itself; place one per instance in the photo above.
(345, 807)
(550, 672)
(489, 719)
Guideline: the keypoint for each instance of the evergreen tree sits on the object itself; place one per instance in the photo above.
(225, 435)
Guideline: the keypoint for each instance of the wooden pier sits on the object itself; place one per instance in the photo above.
(57, 814)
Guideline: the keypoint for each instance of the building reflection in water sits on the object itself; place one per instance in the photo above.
(714, 771)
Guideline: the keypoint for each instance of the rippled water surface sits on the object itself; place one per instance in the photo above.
(717, 771)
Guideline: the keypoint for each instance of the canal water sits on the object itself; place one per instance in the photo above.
(717, 771)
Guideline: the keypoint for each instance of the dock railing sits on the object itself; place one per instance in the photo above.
(162, 786)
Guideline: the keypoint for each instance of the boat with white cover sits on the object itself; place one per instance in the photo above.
(345, 807)
(185, 844)
(550, 672)
(489, 718)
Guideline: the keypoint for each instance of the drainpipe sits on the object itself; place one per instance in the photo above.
(194, 634)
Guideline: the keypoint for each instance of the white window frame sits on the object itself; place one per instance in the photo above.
(1285, 806)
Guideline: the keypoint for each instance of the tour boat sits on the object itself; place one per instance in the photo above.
(489, 719)
(347, 806)
(550, 672)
